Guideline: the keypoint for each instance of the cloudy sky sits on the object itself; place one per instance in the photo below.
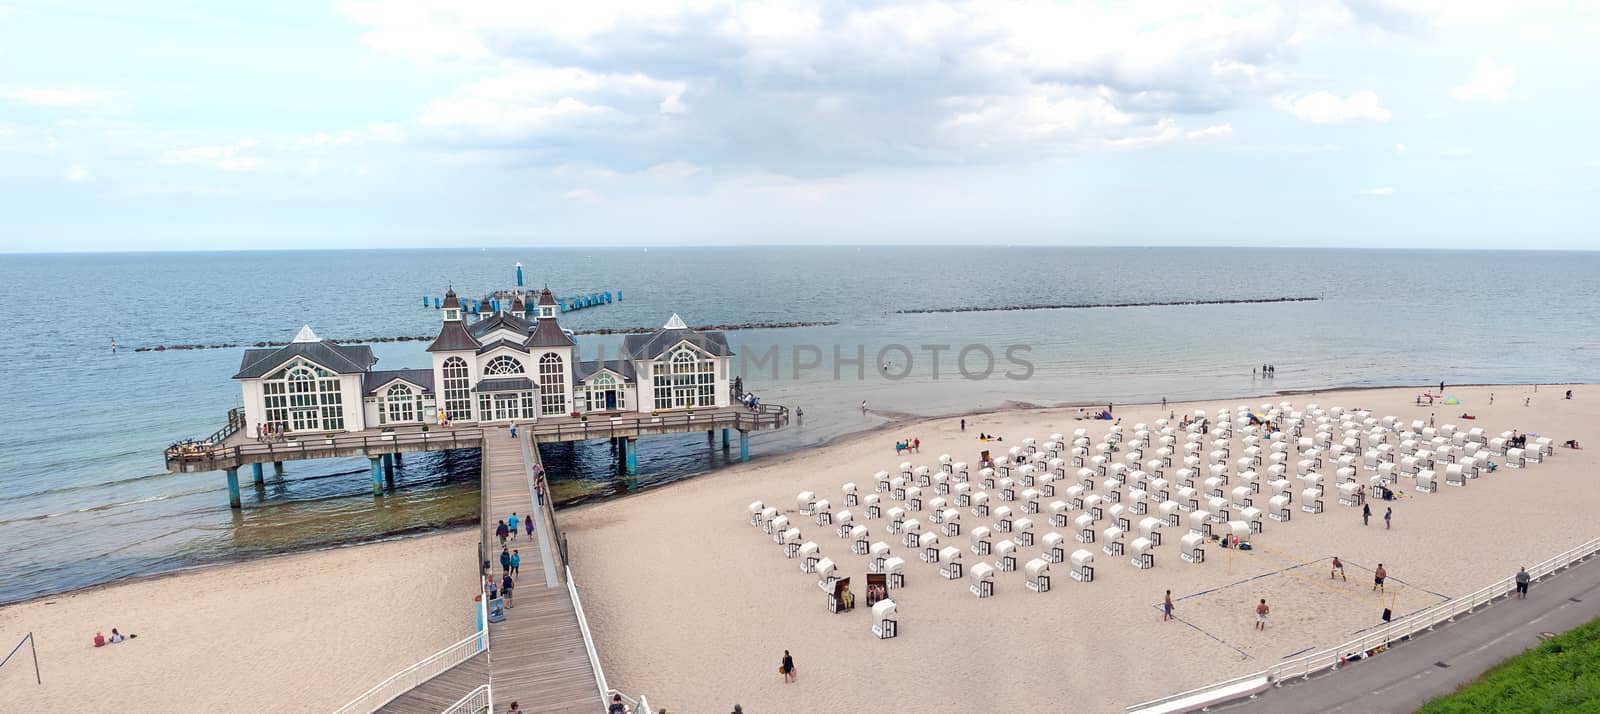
(404, 123)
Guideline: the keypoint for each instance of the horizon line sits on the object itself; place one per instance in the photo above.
(680, 246)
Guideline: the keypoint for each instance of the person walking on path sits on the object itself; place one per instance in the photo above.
(1387, 514)
(513, 430)
(1261, 615)
(1166, 607)
(500, 532)
(1366, 514)
(1378, 577)
(916, 445)
(505, 560)
(506, 584)
(527, 523)
(786, 668)
(512, 521)
(1338, 569)
(617, 707)
(516, 562)
(1522, 583)
(863, 406)
(963, 424)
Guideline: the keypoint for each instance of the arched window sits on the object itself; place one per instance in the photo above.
(605, 393)
(303, 397)
(457, 389)
(686, 378)
(504, 364)
(552, 385)
(399, 405)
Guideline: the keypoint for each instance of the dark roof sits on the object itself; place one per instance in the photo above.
(371, 381)
(657, 343)
(504, 320)
(548, 334)
(453, 337)
(339, 359)
(501, 343)
(450, 300)
(585, 370)
(516, 305)
(545, 298)
(509, 384)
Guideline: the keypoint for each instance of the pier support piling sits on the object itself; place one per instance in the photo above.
(744, 445)
(255, 474)
(711, 437)
(388, 469)
(630, 445)
(377, 475)
(724, 438)
(233, 488)
(277, 469)
(399, 460)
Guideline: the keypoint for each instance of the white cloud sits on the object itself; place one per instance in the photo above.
(1324, 107)
(1422, 17)
(78, 174)
(61, 97)
(526, 103)
(1380, 191)
(674, 169)
(228, 157)
(1490, 82)
(1399, 148)
(1457, 151)
(582, 195)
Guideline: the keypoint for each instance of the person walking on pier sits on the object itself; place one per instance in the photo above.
(505, 560)
(1522, 583)
(516, 563)
(500, 532)
(512, 521)
(506, 584)
(527, 523)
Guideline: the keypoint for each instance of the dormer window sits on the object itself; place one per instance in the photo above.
(452, 314)
(546, 311)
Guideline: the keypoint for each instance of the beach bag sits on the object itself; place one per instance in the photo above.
(1386, 614)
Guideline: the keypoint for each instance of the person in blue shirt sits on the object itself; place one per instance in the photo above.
(512, 521)
(516, 562)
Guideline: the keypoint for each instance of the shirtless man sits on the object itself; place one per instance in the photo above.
(1378, 577)
(1338, 569)
(1261, 615)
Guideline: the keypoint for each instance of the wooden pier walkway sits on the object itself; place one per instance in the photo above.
(434, 695)
(537, 657)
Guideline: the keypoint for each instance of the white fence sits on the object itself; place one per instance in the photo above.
(436, 664)
(1307, 665)
(477, 701)
(638, 705)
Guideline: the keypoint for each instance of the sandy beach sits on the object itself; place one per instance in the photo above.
(694, 607)
(295, 633)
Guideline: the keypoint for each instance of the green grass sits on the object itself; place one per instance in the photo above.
(1560, 675)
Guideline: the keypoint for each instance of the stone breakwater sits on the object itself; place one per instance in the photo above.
(1090, 305)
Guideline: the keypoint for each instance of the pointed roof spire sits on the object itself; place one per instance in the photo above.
(675, 323)
(306, 335)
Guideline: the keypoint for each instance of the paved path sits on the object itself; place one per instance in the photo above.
(1410, 674)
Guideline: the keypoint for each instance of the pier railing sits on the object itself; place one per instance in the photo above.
(211, 457)
(434, 665)
(477, 701)
(768, 416)
(1332, 658)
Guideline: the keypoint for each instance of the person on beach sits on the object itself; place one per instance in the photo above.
(964, 424)
(115, 636)
(1337, 569)
(1163, 402)
(99, 640)
(1261, 615)
(863, 406)
(500, 532)
(1522, 584)
(787, 668)
(1166, 607)
(506, 584)
(1366, 514)
(516, 562)
(1491, 397)
(505, 560)
(1387, 514)
(512, 523)
(1378, 577)
(916, 445)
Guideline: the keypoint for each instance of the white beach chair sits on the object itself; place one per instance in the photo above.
(851, 497)
(1218, 506)
(1111, 540)
(1311, 500)
(897, 487)
(1008, 489)
(1241, 497)
(982, 580)
(914, 498)
(950, 562)
(911, 532)
(1171, 512)
(895, 568)
(827, 572)
(897, 519)
(929, 544)
(1084, 524)
(1082, 566)
(936, 508)
(1142, 557)
(1350, 494)
(1138, 501)
(809, 556)
(778, 525)
(980, 504)
(806, 501)
(1516, 458)
(1030, 500)
(1022, 531)
(1038, 575)
(876, 556)
(768, 515)
(874, 508)
(1002, 519)
(1054, 547)
(1119, 515)
(1190, 550)
(756, 507)
(1189, 498)
(858, 538)
(1200, 522)
(1005, 555)
(1091, 506)
(790, 540)
(1278, 508)
(950, 518)
(1150, 529)
(982, 541)
(1251, 516)
(845, 520)
(823, 512)
(884, 622)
